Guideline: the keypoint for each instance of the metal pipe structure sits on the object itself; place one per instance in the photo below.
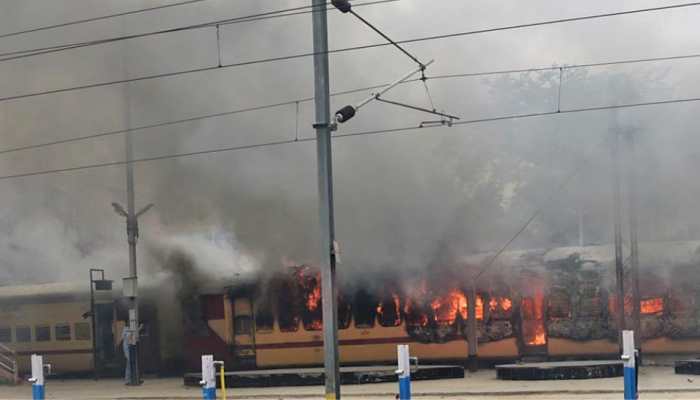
(327, 259)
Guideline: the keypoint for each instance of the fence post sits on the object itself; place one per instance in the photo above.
(208, 381)
(37, 378)
(629, 357)
(404, 372)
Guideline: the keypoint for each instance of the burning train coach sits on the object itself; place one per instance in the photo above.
(554, 303)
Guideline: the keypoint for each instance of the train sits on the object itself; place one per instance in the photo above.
(55, 320)
(549, 304)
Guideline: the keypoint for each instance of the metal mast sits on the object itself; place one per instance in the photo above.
(325, 192)
(617, 218)
(634, 245)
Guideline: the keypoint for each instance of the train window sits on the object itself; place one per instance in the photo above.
(344, 313)
(390, 311)
(287, 309)
(243, 325)
(5, 334)
(62, 331)
(42, 333)
(23, 334)
(264, 320)
(82, 331)
(559, 303)
(364, 309)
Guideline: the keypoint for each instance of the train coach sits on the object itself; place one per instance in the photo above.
(54, 320)
(550, 304)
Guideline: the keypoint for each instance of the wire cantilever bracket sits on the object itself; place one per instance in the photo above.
(346, 113)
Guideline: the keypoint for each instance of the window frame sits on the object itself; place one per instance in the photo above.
(76, 330)
(21, 339)
(62, 337)
(236, 326)
(42, 327)
(8, 329)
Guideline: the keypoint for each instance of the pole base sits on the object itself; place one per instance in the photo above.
(38, 392)
(472, 363)
(209, 393)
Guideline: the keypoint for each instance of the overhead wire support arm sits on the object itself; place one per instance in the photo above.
(349, 111)
(412, 107)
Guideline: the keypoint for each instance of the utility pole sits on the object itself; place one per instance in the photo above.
(132, 234)
(634, 245)
(472, 360)
(617, 218)
(325, 191)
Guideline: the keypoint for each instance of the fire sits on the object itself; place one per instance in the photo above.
(479, 307)
(310, 283)
(447, 307)
(646, 307)
(504, 303)
(313, 298)
(652, 306)
(532, 309)
(540, 337)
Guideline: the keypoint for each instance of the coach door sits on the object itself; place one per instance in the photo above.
(532, 314)
(243, 333)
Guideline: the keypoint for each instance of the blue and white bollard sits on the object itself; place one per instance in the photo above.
(629, 356)
(37, 378)
(404, 372)
(208, 381)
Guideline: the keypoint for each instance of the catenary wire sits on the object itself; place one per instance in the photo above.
(347, 135)
(339, 93)
(100, 18)
(303, 55)
(19, 54)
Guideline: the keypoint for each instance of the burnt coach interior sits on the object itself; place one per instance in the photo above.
(554, 309)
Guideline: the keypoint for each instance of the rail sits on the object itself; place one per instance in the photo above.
(8, 364)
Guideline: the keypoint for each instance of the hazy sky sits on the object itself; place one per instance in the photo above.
(403, 199)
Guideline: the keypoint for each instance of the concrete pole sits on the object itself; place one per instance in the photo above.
(634, 245)
(325, 192)
(617, 220)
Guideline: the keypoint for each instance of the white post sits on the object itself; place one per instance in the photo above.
(630, 365)
(208, 381)
(404, 372)
(37, 378)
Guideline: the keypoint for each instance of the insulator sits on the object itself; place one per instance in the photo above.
(342, 5)
(345, 113)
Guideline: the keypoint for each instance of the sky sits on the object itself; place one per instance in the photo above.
(413, 200)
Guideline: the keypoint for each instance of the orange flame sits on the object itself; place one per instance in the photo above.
(540, 337)
(533, 320)
(652, 306)
(447, 307)
(313, 298)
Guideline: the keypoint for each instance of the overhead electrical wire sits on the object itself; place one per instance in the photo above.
(339, 93)
(19, 54)
(346, 135)
(303, 55)
(100, 18)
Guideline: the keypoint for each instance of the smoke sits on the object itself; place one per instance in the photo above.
(406, 202)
